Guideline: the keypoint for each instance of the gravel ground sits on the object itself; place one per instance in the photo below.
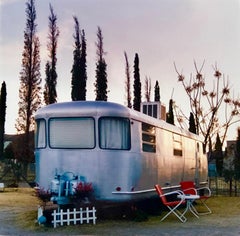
(8, 226)
(20, 219)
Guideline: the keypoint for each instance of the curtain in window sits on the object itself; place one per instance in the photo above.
(114, 133)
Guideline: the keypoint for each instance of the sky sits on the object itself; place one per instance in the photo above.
(160, 31)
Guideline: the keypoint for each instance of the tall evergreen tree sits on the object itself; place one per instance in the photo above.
(83, 67)
(170, 115)
(128, 82)
(192, 126)
(218, 155)
(76, 62)
(101, 67)
(47, 85)
(156, 92)
(3, 99)
(30, 80)
(136, 85)
(79, 69)
(237, 157)
(50, 93)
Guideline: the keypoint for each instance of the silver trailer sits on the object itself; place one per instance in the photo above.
(122, 152)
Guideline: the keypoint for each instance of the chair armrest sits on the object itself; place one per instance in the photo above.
(178, 192)
(193, 189)
(207, 191)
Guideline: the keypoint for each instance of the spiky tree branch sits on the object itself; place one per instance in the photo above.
(207, 106)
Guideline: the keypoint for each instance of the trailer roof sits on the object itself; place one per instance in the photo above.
(103, 108)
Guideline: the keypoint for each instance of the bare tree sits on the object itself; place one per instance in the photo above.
(128, 82)
(148, 88)
(30, 85)
(208, 106)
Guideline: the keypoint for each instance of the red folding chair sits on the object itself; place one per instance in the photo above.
(172, 205)
(188, 187)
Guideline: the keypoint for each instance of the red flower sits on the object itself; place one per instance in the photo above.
(83, 188)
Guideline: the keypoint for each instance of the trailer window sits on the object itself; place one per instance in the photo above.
(177, 145)
(114, 133)
(40, 133)
(148, 138)
(76, 132)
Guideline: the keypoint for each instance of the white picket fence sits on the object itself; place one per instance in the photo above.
(74, 216)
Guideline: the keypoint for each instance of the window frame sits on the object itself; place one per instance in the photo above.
(75, 117)
(36, 134)
(177, 141)
(148, 146)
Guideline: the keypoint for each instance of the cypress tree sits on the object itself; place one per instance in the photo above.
(237, 157)
(192, 126)
(50, 93)
(101, 70)
(136, 85)
(79, 69)
(83, 67)
(218, 155)
(170, 115)
(47, 85)
(156, 92)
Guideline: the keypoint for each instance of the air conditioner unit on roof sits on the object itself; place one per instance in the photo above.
(154, 109)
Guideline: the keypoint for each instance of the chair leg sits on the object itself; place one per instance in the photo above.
(177, 213)
(209, 211)
(194, 209)
(181, 215)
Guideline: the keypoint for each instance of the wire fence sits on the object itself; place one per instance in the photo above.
(219, 186)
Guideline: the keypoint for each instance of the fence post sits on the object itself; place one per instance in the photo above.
(94, 218)
(81, 215)
(68, 217)
(87, 214)
(54, 219)
(61, 217)
(74, 216)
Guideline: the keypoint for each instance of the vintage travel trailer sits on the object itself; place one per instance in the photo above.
(122, 152)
